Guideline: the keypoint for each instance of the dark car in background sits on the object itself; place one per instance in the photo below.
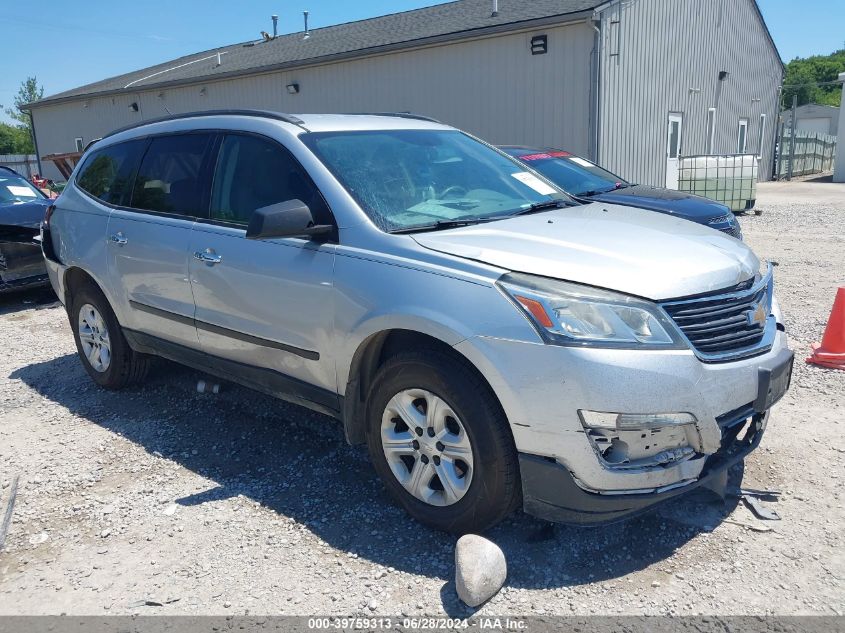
(590, 183)
(22, 207)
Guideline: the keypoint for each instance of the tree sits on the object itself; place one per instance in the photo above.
(28, 92)
(15, 139)
(813, 79)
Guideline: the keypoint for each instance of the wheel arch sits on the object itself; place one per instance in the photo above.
(371, 354)
(76, 277)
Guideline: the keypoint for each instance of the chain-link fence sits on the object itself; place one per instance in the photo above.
(804, 154)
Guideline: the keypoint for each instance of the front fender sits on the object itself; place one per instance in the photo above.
(377, 296)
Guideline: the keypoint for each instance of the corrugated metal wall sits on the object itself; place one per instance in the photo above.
(664, 56)
(491, 87)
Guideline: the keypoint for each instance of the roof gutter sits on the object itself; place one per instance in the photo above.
(525, 25)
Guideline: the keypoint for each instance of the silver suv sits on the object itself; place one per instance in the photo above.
(495, 344)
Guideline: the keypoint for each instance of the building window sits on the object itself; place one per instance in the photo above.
(762, 141)
(742, 137)
(615, 38)
(674, 149)
(711, 129)
(80, 145)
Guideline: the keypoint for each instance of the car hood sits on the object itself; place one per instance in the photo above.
(620, 248)
(679, 203)
(25, 214)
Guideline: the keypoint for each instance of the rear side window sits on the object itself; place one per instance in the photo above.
(106, 174)
(252, 173)
(169, 179)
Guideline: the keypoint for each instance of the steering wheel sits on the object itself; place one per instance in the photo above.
(454, 189)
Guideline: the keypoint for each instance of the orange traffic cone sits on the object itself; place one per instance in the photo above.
(831, 351)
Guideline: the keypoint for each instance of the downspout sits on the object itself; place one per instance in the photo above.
(775, 168)
(35, 143)
(595, 79)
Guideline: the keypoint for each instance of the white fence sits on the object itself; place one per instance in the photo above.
(807, 153)
(24, 164)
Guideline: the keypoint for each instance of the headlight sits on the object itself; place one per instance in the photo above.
(570, 314)
(737, 226)
(634, 421)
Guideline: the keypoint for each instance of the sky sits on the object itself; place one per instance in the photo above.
(69, 44)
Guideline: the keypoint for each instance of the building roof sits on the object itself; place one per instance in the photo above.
(453, 20)
(818, 108)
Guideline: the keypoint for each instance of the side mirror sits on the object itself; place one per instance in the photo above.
(292, 218)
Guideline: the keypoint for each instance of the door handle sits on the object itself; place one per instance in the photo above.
(208, 256)
(119, 238)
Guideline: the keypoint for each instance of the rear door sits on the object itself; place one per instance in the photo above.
(148, 239)
(264, 303)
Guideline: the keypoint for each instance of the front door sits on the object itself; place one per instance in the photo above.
(148, 242)
(264, 304)
(674, 136)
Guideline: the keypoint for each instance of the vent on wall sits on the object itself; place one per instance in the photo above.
(539, 45)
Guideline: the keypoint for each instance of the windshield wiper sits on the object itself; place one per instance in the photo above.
(444, 224)
(594, 192)
(541, 206)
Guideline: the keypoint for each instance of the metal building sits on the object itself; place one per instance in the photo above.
(814, 118)
(632, 84)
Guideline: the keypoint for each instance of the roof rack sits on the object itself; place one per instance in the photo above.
(400, 115)
(267, 114)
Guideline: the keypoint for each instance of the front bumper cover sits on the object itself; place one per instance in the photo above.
(21, 264)
(550, 491)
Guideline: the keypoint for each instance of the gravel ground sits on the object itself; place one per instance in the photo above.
(159, 500)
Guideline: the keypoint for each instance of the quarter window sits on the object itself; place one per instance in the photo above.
(107, 172)
(169, 179)
(253, 173)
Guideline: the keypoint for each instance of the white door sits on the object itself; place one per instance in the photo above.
(673, 149)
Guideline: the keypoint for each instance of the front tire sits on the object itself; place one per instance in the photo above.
(440, 441)
(102, 348)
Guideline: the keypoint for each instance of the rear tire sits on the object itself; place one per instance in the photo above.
(102, 347)
(450, 459)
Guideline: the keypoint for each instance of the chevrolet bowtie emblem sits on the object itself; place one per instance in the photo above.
(757, 316)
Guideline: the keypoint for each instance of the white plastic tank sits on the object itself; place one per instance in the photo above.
(731, 180)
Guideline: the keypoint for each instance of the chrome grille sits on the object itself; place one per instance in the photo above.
(727, 325)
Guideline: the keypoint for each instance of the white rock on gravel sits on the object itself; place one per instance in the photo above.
(480, 569)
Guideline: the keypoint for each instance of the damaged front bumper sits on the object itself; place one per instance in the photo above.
(551, 492)
(576, 472)
(21, 262)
